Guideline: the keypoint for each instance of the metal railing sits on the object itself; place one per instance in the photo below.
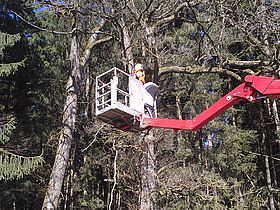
(111, 88)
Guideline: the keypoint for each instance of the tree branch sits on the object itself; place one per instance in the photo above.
(197, 70)
(95, 137)
(165, 20)
(114, 176)
(92, 42)
(44, 29)
(246, 64)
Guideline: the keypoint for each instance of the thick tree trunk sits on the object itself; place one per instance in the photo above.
(51, 200)
(151, 40)
(78, 64)
(147, 165)
(148, 177)
(148, 171)
(127, 46)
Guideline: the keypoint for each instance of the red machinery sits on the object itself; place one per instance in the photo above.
(254, 88)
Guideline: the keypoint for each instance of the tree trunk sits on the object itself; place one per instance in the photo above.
(148, 171)
(51, 200)
(273, 115)
(265, 143)
(276, 116)
(127, 49)
(269, 186)
(78, 64)
(152, 49)
(147, 165)
(148, 178)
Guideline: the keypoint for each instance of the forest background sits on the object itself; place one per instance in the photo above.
(54, 154)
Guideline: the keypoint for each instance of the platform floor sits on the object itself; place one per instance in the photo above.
(121, 117)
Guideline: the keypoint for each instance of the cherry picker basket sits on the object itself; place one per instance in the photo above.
(120, 98)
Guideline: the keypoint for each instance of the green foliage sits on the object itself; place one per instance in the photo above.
(91, 203)
(14, 166)
(232, 155)
(178, 47)
(6, 128)
(193, 187)
(189, 177)
(10, 68)
(7, 40)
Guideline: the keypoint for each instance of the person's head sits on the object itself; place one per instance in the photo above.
(138, 67)
(139, 72)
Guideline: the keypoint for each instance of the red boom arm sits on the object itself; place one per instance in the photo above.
(253, 88)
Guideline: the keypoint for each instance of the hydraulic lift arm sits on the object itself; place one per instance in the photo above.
(254, 87)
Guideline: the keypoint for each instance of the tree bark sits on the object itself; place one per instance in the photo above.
(269, 186)
(78, 64)
(127, 49)
(148, 171)
(51, 200)
(153, 49)
(276, 116)
(147, 165)
(265, 143)
(148, 178)
(273, 113)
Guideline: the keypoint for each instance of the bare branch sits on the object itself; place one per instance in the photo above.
(95, 137)
(148, 5)
(269, 156)
(165, 20)
(115, 175)
(197, 70)
(246, 64)
(44, 29)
